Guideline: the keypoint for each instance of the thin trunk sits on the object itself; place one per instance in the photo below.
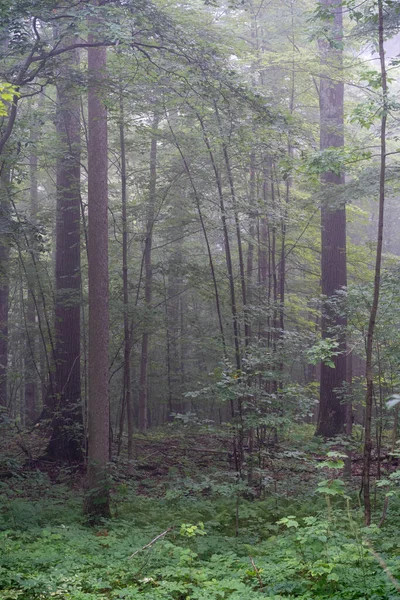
(273, 257)
(120, 422)
(97, 505)
(284, 218)
(237, 228)
(237, 443)
(395, 427)
(369, 373)
(43, 321)
(4, 278)
(252, 231)
(266, 265)
(30, 372)
(262, 254)
(168, 350)
(349, 414)
(127, 399)
(282, 264)
(228, 255)
(209, 253)
(182, 347)
(148, 280)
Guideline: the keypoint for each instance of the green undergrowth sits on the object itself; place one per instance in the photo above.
(214, 548)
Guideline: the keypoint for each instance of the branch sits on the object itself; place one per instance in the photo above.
(25, 77)
(54, 52)
(10, 124)
(257, 572)
(384, 566)
(34, 27)
(152, 542)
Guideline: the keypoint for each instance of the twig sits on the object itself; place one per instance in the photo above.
(152, 542)
(257, 571)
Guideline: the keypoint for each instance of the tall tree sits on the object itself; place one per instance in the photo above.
(369, 373)
(30, 374)
(4, 277)
(332, 412)
(66, 441)
(126, 391)
(148, 277)
(97, 504)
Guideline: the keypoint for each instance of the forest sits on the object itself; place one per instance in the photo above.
(199, 299)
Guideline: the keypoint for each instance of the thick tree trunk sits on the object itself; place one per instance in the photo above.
(97, 505)
(67, 440)
(332, 412)
(148, 280)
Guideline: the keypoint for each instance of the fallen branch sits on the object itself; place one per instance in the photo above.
(257, 572)
(384, 566)
(152, 542)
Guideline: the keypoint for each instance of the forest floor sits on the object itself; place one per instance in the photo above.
(184, 527)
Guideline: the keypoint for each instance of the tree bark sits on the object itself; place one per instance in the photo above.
(228, 255)
(97, 505)
(237, 228)
(127, 398)
(148, 279)
(369, 373)
(237, 439)
(207, 242)
(30, 374)
(332, 412)
(252, 231)
(4, 278)
(67, 440)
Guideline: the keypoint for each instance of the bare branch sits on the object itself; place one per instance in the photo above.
(164, 533)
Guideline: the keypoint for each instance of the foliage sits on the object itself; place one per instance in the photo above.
(47, 553)
(7, 94)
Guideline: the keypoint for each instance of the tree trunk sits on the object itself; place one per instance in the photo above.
(4, 278)
(237, 228)
(332, 412)
(148, 279)
(237, 443)
(252, 231)
(207, 242)
(228, 255)
(97, 505)
(369, 374)
(67, 440)
(127, 399)
(30, 374)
